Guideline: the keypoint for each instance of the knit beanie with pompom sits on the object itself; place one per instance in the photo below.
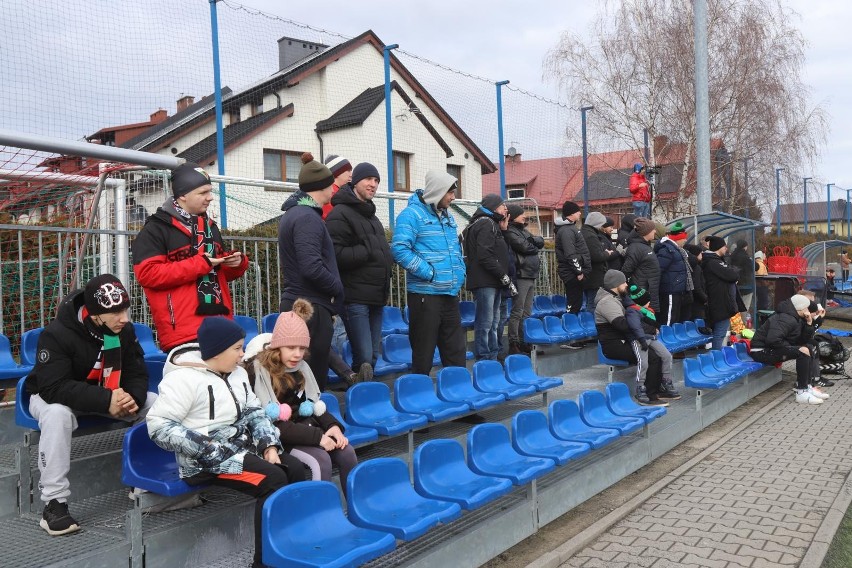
(290, 327)
(314, 176)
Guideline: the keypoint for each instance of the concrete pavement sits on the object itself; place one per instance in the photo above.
(770, 493)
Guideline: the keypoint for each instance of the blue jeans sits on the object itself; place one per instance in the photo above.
(589, 296)
(642, 209)
(485, 322)
(364, 328)
(720, 330)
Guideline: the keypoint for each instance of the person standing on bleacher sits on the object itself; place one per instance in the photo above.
(572, 257)
(723, 298)
(524, 246)
(180, 260)
(88, 362)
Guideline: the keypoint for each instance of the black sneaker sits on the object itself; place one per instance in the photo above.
(667, 390)
(365, 373)
(823, 382)
(56, 519)
(656, 400)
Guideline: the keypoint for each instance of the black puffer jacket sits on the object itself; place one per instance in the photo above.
(485, 251)
(784, 328)
(524, 246)
(363, 255)
(597, 255)
(672, 268)
(625, 229)
(641, 267)
(67, 352)
(572, 254)
(723, 299)
(699, 293)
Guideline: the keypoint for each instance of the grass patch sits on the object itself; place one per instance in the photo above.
(840, 552)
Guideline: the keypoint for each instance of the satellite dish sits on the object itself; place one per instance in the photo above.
(512, 152)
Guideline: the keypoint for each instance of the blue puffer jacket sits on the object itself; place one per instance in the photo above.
(672, 268)
(426, 244)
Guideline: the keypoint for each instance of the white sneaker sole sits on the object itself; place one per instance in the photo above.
(809, 400)
(43, 524)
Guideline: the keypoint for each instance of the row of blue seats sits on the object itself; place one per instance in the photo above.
(683, 336)
(718, 368)
(552, 329)
(9, 368)
(418, 400)
(382, 504)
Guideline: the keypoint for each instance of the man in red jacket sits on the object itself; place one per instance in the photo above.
(640, 189)
(180, 260)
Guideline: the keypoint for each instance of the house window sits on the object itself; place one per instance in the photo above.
(257, 107)
(401, 172)
(234, 116)
(456, 172)
(515, 192)
(281, 165)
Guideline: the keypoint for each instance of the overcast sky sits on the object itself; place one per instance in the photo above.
(501, 40)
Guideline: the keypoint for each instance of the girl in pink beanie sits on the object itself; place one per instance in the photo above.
(287, 389)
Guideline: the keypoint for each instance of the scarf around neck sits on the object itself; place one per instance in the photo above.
(207, 289)
(106, 371)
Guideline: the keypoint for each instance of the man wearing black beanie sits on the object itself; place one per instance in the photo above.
(180, 260)
(88, 362)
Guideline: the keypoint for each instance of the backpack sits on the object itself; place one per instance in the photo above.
(832, 354)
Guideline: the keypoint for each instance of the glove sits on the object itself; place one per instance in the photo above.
(513, 290)
(506, 281)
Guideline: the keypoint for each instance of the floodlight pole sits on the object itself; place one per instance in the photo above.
(778, 199)
(828, 207)
(583, 112)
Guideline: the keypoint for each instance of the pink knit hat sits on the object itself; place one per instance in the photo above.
(290, 327)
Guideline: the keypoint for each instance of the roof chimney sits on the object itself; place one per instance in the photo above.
(159, 116)
(184, 102)
(291, 50)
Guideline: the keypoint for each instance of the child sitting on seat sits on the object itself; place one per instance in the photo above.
(288, 391)
(642, 324)
(208, 415)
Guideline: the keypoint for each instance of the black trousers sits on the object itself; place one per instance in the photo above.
(807, 366)
(624, 351)
(435, 321)
(321, 328)
(260, 479)
(573, 295)
(674, 308)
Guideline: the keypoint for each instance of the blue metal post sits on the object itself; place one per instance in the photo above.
(828, 206)
(220, 137)
(778, 199)
(583, 112)
(805, 192)
(389, 131)
(499, 85)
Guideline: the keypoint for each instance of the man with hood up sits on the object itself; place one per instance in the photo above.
(308, 263)
(624, 231)
(364, 261)
(88, 362)
(180, 260)
(425, 243)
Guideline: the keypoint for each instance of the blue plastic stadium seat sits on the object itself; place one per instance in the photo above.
(9, 369)
(692, 331)
(267, 324)
(490, 452)
(542, 306)
(369, 405)
(519, 371)
(587, 321)
(571, 324)
(25, 419)
(380, 497)
(147, 466)
(304, 527)
(392, 321)
(721, 364)
(455, 384)
(595, 412)
(29, 346)
(532, 437)
(705, 361)
(672, 343)
(467, 310)
(488, 376)
(566, 424)
(440, 472)
(249, 324)
(355, 434)
(700, 322)
(560, 303)
(694, 378)
(416, 394)
(730, 354)
(155, 374)
(619, 402)
(742, 352)
(553, 328)
(405, 314)
(145, 335)
(534, 332)
(682, 335)
(396, 348)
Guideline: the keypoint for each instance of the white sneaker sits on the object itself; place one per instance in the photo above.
(806, 397)
(818, 393)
